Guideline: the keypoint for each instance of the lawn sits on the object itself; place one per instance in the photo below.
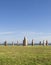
(21, 55)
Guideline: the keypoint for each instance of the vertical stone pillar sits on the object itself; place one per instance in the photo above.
(40, 43)
(32, 42)
(5, 43)
(25, 41)
(17, 43)
(12, 44)
(46, 43)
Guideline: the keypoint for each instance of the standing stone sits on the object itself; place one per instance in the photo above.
(40, 43)
(46, 43)
(17, 43)
(32, 42)
(25, 41)
(5, 43)
(12, 44)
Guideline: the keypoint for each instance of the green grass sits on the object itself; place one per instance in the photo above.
(30, 55)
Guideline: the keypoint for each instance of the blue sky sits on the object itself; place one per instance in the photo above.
(30, 18)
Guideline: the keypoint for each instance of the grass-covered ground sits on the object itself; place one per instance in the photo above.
(30, 55)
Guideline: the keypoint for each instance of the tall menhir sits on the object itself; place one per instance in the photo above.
(32, 42)
(25, 41)
(46, 43)
(5, 43)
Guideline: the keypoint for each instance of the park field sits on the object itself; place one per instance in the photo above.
(25, 55)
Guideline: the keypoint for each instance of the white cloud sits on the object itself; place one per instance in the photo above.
(6, 33)
(38, 33)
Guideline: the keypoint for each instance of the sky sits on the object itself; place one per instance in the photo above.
(29, 18)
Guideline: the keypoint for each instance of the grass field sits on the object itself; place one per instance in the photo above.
(30, 55)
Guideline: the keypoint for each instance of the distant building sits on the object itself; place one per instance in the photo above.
(32, 42)
(25, 41)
